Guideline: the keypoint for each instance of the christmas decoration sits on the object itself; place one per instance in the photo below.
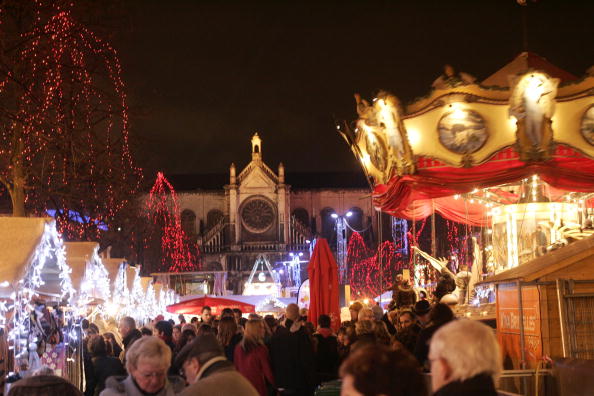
(63, 119)
(371, 273)
(162, 209)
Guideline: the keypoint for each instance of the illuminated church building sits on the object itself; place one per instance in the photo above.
(263, 213)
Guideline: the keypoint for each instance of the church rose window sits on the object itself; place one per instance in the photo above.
(257, 215)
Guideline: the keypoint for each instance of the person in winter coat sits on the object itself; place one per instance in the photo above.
(147, 363)
(228, 336)
(103, 365)
(465, 359)
(251, 357)
(292, 355)
(208, 372)
(129, 334)
(116, 349)
(440, 315)
(377, 370)
(326, 351)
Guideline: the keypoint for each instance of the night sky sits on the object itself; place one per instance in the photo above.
(202, 77)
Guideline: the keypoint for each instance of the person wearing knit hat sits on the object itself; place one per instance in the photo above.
(208, 371)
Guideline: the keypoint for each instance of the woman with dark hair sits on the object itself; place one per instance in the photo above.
(103, 366)
(376, 370)
(187, 336)
(251, 357)
(228, 335)
(116, 349)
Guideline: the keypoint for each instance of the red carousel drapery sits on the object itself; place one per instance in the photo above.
(434, 185)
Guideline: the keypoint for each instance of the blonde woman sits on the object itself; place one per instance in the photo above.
(251, 357)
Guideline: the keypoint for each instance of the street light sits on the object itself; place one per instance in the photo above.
(341, 248)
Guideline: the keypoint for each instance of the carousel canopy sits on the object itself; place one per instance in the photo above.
(530, 118)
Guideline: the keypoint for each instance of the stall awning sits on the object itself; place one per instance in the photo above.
(217, 304)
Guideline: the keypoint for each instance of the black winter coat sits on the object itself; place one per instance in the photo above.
(326, 357)
(103, 367)
(292, 359)
(479, 385)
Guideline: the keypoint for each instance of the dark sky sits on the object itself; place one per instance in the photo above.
(202, 77)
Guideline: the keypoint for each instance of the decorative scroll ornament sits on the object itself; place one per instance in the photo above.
(532, 103)
(381, 136)
(587, 125)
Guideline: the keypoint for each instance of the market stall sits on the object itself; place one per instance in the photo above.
(35, 293)
(89, 276)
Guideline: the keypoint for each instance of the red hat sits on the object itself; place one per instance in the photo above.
(159, 318)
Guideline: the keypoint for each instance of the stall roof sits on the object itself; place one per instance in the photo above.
(552, 263)
(19, 237)
(77, 256)
(112, 265)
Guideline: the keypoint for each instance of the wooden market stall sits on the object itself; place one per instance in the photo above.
(545, 308)
(35, 283)
(89, 277)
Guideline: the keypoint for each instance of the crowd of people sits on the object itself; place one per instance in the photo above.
(374, 353)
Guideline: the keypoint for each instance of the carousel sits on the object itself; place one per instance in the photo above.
(512, 158)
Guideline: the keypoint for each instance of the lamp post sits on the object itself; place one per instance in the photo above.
(341, 246)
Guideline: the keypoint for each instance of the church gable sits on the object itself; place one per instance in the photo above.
(257, 178)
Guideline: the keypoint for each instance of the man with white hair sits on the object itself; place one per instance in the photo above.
(465, 359)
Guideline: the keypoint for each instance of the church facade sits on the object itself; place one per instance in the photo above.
(264, 213)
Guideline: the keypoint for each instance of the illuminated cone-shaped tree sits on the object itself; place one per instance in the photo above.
(166, 232)
(63, 119)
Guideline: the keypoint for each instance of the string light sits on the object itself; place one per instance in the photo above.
(163, 210)
(68, 132)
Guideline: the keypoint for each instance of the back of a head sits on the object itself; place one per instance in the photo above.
(253, 334)
(129, 322)
(96, 346)
(148, 348)
(203, 348)
(164, 327)
(292, 311)
(377, 370)
(324, 321)
(356, 306)
(43, 385)
(441, 313)
(227, 329)
(364, 327)
(469, 347)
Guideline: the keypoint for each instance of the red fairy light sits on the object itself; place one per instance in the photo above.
(372, 273)
(65, 121)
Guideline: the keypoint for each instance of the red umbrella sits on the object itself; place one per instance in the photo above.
(194, 306)
(323, 284)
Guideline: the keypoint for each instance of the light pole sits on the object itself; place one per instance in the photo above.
(341, 246)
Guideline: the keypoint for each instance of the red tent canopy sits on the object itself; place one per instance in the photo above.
(217, 304)
(323, 284)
